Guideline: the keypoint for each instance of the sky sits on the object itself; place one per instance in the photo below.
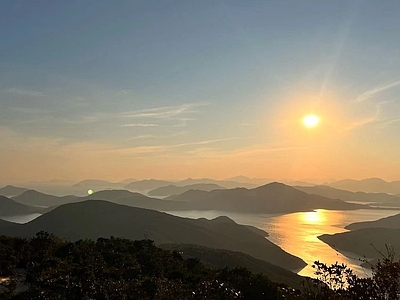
(177, 89)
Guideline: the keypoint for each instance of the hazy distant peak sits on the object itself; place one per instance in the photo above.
(369, 185)
(275, 184)
(223, 219)
(91, 182)
(11, 190)
(33, 193)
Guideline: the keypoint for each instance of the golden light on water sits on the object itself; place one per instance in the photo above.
(313, 217)
(311, 121)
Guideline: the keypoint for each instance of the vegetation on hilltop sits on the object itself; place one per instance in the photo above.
(48, 267)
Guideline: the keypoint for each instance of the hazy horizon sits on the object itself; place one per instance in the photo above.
(256, 180)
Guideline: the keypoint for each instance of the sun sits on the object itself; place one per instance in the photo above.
(311, 121)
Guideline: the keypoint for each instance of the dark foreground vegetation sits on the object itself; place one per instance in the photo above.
(48, 267)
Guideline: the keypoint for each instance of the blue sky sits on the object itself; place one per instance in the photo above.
(173, 89)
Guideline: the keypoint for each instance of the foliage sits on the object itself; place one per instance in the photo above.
(339, 282)
(47, 267)
(118, 268)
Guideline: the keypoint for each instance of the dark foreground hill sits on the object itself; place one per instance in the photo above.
(388, 222)
(9, 207)
(94, 219)
(270, 198)
(219, 258)
(47, 267)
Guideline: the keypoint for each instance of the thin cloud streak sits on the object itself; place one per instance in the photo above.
(144, 136)
(24, 92)
(162, 113)
(368, 94)
(373, 119)
(156, 149)
(165, 112)
(140, 125)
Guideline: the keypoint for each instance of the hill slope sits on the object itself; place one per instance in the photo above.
(271, 198)
(219, 258)
(136, 200)
(365, 242)
(32, 197)
(94, 219)
(388, 222)
(9, 207)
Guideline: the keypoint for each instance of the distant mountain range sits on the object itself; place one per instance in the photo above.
(95, 183)
(177, 190)
(270, 198)
(333, 193)
(228, 184)
(93, 219)
(63, 187)
(32, 197)
(152, 184)
(244, 179)
(147, 185)
(370, 185)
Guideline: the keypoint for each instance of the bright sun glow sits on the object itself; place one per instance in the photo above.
(311, 121)
(90, 192)
(313, 217)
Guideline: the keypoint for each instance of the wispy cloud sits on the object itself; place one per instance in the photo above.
(389, 122)
(140, 125)
(176, 116)
(165, 112)
(168, 149)
(375, 118)
(368, 94)
(143, 137)
(24, 92)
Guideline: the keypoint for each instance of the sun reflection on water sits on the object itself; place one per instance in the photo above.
(313, 217)
(297, 233)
